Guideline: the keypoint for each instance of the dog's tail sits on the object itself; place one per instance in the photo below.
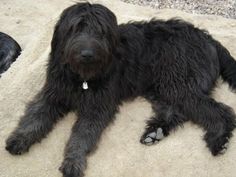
(227, 65)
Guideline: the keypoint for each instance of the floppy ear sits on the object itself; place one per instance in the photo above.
(55, 38)
(55, 54)
(56, 45)
(59, 33)
(60, 36)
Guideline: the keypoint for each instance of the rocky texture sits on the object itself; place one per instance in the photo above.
(225, 8)
(119, 153)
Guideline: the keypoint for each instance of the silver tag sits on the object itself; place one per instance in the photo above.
(85, 85)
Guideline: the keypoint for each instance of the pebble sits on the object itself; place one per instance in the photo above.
(224, 8)
(18, 21)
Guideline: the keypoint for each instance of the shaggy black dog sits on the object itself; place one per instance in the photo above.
(95, 65)
(9, 51)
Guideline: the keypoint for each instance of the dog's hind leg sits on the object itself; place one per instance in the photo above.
(216, 118)
(166, 118)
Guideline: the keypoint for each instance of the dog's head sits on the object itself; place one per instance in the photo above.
(85, 38)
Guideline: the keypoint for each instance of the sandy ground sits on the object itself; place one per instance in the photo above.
(119, 153)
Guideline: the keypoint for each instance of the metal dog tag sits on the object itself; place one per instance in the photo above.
(85, 85)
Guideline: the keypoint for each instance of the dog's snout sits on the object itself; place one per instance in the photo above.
(87, 53)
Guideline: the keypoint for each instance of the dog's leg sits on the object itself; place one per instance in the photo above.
(85, 134)
(166, 118)
(38, 120)
(216, 118)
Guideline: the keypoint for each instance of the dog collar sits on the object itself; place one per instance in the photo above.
(85, 85)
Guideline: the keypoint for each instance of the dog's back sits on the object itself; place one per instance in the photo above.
(177, 45)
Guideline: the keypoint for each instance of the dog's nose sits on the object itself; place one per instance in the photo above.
(87, 53)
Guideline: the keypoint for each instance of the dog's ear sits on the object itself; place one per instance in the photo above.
(57, 43)
(59, 37)
(59, 34)
(55, 38)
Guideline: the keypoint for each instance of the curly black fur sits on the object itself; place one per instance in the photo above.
(171, 63)
(9, 51)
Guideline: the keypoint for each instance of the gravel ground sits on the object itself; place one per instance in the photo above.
(225, 8)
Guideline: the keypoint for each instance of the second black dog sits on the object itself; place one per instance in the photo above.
(9, 51)
(95, 65)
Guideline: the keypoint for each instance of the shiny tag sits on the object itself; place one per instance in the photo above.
(85, 85)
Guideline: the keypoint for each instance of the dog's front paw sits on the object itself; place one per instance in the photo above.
(72, 167)
(17, 144)
(219, 145)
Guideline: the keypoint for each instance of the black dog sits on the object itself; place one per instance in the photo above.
(9, 51)
(95, 64)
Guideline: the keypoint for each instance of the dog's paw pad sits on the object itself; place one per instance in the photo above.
(149, 141)
(152, 137)
(159, 134)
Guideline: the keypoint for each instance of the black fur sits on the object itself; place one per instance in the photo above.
(171, 63)
(9, 51)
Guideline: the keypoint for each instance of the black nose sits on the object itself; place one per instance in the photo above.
(87, 53)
